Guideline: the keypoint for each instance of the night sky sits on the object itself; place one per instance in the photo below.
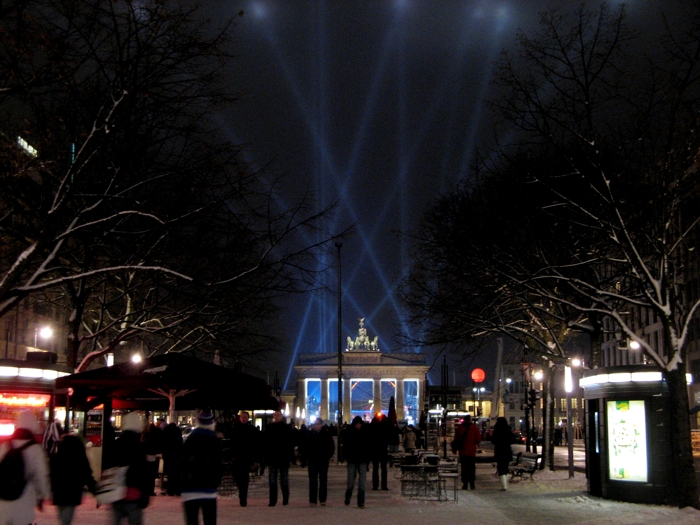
(378, 104)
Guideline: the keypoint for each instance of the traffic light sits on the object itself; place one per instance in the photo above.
(532, 397)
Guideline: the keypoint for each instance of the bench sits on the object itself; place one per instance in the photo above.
(523, 464)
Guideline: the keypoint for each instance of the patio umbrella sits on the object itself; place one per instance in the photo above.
(392, 411)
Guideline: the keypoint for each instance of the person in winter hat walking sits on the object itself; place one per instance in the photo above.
(129, 452)
(36, 489)
(201, 469)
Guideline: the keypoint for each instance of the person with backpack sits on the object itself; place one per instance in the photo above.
(24, 477)
(201, 470)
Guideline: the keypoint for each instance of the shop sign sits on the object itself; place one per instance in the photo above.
(627, 442)
(24, 400)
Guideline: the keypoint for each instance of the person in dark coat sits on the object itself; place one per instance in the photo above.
(245, 454)
(342, 432)
(320, 451)
(201, 469)
(129, 452)
(502, 440)
(279, 442)
(302, 446)
(172, 447)
(70, 473)
(357, 445)
(380, 430)
(152, 439)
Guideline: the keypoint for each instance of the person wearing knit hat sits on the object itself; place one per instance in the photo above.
(201, 470)
(130, 453)
(357, 454)
(37, 487)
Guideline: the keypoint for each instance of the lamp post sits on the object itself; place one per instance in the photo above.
(477, 407)
(569, 386)
(444, 378)
(506, 393)
(536, 430)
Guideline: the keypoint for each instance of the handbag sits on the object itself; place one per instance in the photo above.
(112, 485)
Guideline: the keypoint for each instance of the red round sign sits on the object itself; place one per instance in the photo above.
(478, 375)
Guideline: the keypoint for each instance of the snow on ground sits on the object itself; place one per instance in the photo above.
(551, 498)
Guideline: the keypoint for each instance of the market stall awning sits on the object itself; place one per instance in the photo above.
(150, 384)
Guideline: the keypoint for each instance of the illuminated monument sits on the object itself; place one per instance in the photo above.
(370, 379)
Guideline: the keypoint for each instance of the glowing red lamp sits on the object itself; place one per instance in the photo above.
(478, 375)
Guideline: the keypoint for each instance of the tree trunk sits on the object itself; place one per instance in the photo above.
(685, 480)
(596, 342)
(73, 343)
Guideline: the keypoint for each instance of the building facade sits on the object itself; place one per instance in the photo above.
(370, 378)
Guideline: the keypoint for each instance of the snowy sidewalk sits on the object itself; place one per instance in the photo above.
(551, 498)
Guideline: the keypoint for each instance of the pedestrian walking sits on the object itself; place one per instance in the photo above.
(129, 452)
(201, 469)
(172, 448)
(380, 429)
(357, 455)
(245, 454)
(279, 442)
(465, 443)
(302, 446)
(70, 474)
(152, 439)
(36, 487)
(320, 451)
(502, 439)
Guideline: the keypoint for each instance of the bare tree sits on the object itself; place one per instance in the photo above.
(609, 219)
(627, 173)
(118, 186)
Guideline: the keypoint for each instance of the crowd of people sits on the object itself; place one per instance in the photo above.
(193, 468)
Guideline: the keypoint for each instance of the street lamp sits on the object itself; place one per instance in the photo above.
(569, 387)
(136, 358)
(478, 399)
(44, 332)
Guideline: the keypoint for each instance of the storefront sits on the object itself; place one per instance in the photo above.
(29, 386)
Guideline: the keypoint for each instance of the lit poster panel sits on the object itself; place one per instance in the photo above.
(24, 400)
(627, 441)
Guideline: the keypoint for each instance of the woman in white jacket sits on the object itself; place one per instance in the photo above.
(37, 489)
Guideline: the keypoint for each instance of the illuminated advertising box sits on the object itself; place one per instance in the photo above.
(24, 400)
(627, 441)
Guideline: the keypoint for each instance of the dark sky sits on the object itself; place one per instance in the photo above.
(377, 104)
